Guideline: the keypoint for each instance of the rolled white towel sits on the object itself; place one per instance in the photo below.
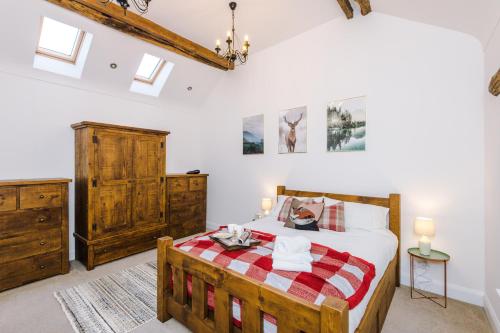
(304, 257)
(292, 267)
(299, 244)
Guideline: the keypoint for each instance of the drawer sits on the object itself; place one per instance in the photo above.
(176, 185)
(8, 199)
(119, 249)
(21, 222)
(30, 244)
(197, 183)
(28, 270)
(43, 196)
(181, 214)
(187, 198)
(187, 228)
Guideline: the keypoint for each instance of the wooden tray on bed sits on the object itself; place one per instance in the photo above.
(235, 247)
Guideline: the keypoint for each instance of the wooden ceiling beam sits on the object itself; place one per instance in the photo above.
(347, 8)
(139, 27)
(365, 6)
(495, 84)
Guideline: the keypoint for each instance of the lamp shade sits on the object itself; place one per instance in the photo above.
(267, 204)
(425, 227)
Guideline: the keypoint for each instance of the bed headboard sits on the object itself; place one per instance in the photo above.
(392, 202)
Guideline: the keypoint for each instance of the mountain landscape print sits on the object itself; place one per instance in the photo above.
(346, 125)
(253, 135)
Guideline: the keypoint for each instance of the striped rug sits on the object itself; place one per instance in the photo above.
(117, 303)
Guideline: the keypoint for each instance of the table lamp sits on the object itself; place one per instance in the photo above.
(425, 227)
(267, 204)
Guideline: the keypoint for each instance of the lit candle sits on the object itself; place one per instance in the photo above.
(228, 33)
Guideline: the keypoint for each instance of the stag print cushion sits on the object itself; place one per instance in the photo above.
(333, 217)
(304, 215)
(285, 203)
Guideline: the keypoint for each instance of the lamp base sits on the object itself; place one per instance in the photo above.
(425, 247)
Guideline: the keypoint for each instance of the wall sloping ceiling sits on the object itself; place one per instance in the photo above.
(267, 22)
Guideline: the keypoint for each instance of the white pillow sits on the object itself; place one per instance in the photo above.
(362, 216)
(281, 200)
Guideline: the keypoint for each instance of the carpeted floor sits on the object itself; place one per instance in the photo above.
(33, 308)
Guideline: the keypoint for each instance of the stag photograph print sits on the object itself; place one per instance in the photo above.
(346, 125)
(253, 135)
(293, 131)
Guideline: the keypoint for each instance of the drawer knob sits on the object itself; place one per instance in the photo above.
(154, 237)
(43, 243)
(42, 196)
(42, 219)
(42, 266)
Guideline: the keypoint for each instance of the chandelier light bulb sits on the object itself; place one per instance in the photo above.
(217, 43)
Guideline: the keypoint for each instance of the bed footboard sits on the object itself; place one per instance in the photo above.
(292, 313)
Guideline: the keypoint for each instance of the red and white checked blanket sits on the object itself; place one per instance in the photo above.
(333, 273)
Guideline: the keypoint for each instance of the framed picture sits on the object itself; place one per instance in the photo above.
(346, 125)
(293, 131)
(253, 135)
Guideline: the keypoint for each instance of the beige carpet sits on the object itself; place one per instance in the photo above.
(33, 308)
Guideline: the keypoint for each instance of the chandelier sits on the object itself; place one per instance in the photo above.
(233, 54)
(141, 5)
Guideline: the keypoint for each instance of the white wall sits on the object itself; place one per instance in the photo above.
(425, 135)
(492, 185)
(38, 142)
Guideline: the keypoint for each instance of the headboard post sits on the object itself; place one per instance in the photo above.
(395, 226)
(281, 190)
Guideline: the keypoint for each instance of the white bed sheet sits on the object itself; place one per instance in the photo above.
(377, 247)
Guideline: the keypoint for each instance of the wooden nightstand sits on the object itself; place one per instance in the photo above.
(435, 256)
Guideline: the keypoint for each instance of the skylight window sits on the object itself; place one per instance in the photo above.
(149, 69)
(59, 40)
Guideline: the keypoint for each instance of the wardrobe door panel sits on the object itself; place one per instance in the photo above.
(147, 198)
(112, 209)
(113, 156)
(147, 153)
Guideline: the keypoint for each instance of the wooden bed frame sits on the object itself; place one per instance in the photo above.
(292, 313)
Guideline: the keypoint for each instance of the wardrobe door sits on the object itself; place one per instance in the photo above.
(113, 155)
(149, 184)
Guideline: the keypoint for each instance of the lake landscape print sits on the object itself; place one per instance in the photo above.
(346, 125)
(253, 135)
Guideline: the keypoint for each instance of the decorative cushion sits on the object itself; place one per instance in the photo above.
(333, 217)
(281, 200)
(304, 215)
(363, 216)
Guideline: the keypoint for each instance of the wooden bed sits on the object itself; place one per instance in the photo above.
(293, 314)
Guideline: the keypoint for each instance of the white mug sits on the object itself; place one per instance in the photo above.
(231, 228)
(239, 230)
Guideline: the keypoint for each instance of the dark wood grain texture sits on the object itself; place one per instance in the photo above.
(139, 27)
(186, 204)
(120, 191)
(346, 7)
(33, 230)
(495, 84)
(364, 6)
(293, 314)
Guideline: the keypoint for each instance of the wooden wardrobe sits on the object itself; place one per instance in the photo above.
(120, 191)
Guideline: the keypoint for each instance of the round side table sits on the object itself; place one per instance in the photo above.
(435, 256)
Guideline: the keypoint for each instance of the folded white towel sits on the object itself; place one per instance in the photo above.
(291, 245)
(292, 267)
(304, 257)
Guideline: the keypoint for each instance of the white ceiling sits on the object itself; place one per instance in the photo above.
(271, 21)
(267, 22)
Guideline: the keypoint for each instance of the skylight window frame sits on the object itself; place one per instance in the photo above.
(156, 72)
(57, 55)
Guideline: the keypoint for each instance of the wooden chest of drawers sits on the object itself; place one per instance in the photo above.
(33, 230)
(186, 204)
